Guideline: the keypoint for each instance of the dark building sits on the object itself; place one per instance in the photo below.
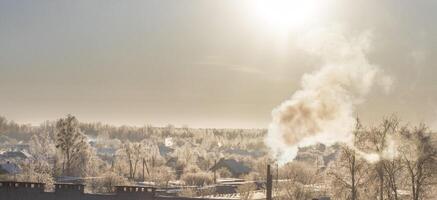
(236, 168)
(9, 170)
(165, 151)
(35, 191)
(64, 191)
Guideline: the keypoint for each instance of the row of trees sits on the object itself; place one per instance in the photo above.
(12, 132)
(389, 161)
(66, 151)
(405, 161)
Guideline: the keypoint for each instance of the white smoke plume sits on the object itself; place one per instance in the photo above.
(322, 111)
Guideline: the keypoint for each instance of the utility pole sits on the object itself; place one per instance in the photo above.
(113, 162)
(143, 170)
(269, 184)
(215, 176)
(277, 176)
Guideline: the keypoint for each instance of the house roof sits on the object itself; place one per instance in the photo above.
(253, 153)
(164, 150)
(235, 167)
(15, 154)
(9, 168)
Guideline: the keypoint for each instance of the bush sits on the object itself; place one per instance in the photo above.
(188, 192)
(160, 176)
(224, 173)
(198, 179)
(192, 169)
(246, 191)
(107, 183)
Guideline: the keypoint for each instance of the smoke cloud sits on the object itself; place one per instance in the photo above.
(322, 111)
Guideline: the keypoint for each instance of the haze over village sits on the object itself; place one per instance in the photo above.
(247, 99)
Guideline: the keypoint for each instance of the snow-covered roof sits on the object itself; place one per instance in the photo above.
(15, 154)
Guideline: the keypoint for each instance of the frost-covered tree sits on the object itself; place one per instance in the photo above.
(107, 182)
(70, 141)
(39, 167)
(299, 176)
(246, 191)
(151, 154)
(42, 148)
(186, 154)
(132, 153)
(198, 179)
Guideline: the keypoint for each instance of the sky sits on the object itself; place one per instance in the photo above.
(198, 63)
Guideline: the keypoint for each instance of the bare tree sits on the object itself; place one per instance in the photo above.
(419, 157)
(246, 191)
(186, 154)
(393, 170)
(299, 179)
(349, 171)
(376, 141)
(151, 157)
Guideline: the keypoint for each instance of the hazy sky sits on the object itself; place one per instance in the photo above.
(200, 63)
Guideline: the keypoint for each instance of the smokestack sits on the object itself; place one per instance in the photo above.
(269, 184)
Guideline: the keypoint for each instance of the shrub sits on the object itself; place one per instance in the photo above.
(246, 191)
(224, 173)
(198, 179)
(107, 183)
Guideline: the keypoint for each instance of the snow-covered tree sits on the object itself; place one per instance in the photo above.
(71, 142)
(132, 154)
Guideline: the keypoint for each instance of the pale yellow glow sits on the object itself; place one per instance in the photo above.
(287, 15)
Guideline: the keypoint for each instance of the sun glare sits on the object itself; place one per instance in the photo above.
(287, 15)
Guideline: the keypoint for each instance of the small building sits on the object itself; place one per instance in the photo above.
(17, 155)
(235, 167)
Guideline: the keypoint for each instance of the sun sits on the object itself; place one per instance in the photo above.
(287, 15)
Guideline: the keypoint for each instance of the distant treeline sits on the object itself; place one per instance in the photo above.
(24, 132)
